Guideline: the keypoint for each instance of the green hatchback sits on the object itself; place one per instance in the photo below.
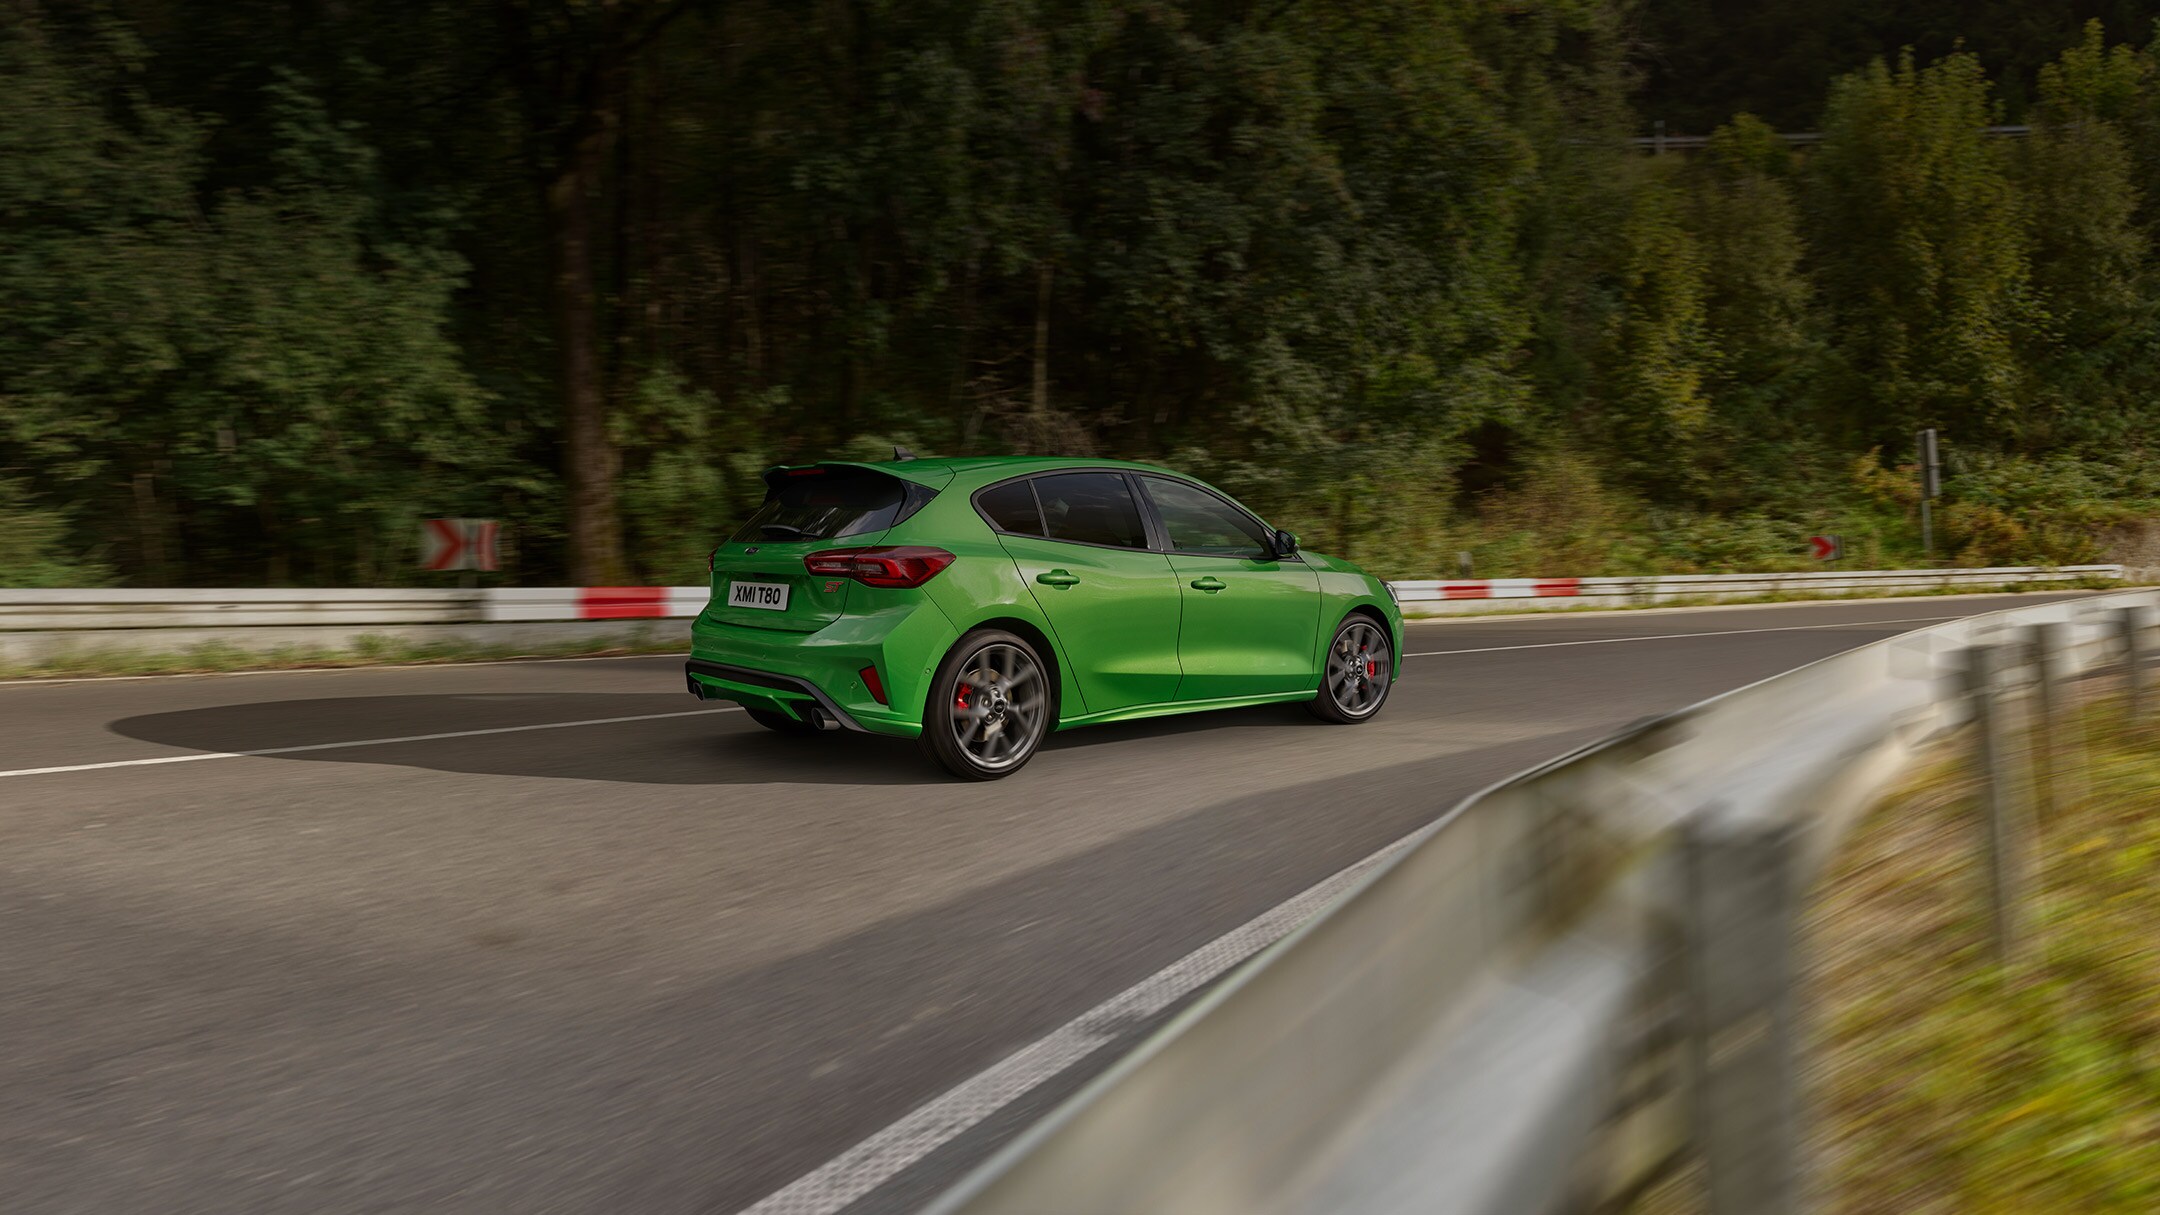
(977, 604)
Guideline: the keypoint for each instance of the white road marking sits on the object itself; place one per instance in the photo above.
(198, 756)
(1789, 628)
(876, 1160)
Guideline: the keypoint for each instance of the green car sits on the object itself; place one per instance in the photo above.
(977, 604)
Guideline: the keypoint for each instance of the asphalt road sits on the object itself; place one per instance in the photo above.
(664, 961)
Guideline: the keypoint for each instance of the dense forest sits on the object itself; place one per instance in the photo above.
(281, 277)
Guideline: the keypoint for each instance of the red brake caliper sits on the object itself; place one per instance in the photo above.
(960, 701)
(1368, 662)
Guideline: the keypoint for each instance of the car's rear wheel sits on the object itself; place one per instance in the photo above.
(990, 705)
(1360, 669)
(780, 722)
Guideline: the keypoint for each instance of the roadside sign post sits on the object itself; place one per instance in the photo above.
(1826, 548)
(1930, 489)
(460, 544)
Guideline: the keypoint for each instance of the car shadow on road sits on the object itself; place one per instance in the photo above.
(1259, 717)
(627, 738)
(635, 738)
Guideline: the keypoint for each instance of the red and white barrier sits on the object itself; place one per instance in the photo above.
(1437, 598)
(529, 603)
(1499, 588)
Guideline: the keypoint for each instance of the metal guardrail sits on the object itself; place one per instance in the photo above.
(1441, 596)
(63, 610)
(1569, 979)
(185, 608)
(59, 610)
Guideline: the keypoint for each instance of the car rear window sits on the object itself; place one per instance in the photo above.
(1091, 508)
(1011, 508)
(824, 503)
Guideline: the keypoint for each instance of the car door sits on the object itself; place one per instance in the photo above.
(1081, 545)
(1251, 621)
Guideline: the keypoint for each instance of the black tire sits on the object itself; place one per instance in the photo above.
(971, 726)
(1358, 674)
(779, 723)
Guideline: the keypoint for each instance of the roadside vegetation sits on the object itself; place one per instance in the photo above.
(282, 279)
(1949, 1083)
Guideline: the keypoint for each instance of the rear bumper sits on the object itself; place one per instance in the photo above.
(794, 673)
(798, 698)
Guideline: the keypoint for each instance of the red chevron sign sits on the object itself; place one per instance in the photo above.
(459, 544)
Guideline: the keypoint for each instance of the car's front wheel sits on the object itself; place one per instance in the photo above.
(990, 705)
(1360, 668)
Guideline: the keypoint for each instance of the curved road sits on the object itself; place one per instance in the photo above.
(551, 936)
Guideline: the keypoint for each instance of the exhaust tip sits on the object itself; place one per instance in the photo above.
(820, 719)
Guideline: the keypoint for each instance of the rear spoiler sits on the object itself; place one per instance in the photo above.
(914, 494)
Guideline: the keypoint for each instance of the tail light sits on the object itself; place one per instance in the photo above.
(712, 560)
(905, 565)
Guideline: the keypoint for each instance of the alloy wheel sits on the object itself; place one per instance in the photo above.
(1000, 705)
(1358, 670)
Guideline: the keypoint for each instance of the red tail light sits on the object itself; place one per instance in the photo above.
(904, 565)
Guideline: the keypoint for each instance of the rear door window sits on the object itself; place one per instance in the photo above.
(1091, 508)
(823, 504)
(1011, 508)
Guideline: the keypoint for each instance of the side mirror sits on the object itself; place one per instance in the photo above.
(1285, 543)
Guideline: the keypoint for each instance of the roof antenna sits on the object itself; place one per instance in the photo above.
(901, 453)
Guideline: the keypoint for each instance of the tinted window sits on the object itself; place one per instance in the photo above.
(821, 503)
(1200, 522)
(1092, 508)
(1011, 508)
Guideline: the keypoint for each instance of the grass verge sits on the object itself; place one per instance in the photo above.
(1948, 1082)
(369, 650)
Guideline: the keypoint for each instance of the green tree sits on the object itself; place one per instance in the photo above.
(1921, 253)
(2095, 367)
(245, 379)
(1661, 351)
(1765, 443)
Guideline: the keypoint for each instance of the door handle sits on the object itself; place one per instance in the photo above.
(1210, 584)
(1058, 578)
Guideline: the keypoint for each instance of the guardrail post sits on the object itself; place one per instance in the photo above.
(2045, 647)
(1998, 793)
(2130, 624)
(1743, 893)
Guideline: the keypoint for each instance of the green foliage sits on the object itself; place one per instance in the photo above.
(246, 372)
(1954, 1082)
(1661, 352)
(1386, 271)
(2095, 382)
(33, 546)
(1922, 253)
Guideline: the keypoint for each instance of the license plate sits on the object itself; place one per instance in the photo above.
(766, 596)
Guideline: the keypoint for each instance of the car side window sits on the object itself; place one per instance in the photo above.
(1011, 508)
(1091, 508)
(1201, 522)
